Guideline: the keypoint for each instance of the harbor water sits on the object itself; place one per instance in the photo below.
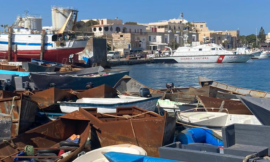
(252, 75)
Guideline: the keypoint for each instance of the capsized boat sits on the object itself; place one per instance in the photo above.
(206, 53)
(132, 125)
(259, 107)
(67, 134)
(233, 106)
(108, 105)
(217, 86)
(98, 154)
(76, 82)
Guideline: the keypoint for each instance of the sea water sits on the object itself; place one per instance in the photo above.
(255, 74)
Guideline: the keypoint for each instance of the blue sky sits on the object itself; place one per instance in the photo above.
(246, 15)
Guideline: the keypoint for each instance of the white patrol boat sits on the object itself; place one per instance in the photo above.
(206, 53)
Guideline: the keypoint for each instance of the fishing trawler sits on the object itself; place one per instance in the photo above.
(26, 40)
(206, 53)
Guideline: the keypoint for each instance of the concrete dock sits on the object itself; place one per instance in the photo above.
(123, 61)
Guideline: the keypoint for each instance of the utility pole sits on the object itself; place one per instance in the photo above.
(256, 37)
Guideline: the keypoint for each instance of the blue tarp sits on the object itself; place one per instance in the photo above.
(14, 73)
(198, 135)
(124, 157)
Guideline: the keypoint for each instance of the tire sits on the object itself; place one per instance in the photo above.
(66, 143)
(48, 151)
(47, 154)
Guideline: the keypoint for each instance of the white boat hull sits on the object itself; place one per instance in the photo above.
(205, 59)
(97, 155)
(149, 105)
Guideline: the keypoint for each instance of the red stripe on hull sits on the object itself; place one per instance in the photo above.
(220, 58)
(49, 55)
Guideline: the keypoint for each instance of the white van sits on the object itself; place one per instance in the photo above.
(113, 55)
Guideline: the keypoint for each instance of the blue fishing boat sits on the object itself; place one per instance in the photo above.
(124, 157)
(18, 73)
(76, 81)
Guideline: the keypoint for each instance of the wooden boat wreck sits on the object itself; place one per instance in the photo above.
(22, 111)
(215, 87)
(76, 81)
(260, 107)
(48, 98)
(131, 125)
(5, 125)
(215, 105)
(7, 94)
(102, 91)
(130, 86)
(48, 140)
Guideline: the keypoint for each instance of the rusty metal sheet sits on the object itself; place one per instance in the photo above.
(27, 115)
(50, 96)
(12, 106)
(48, 136)
(7, 94)
(102, 91)
(5, 125)
(151, 130)
(233, 107)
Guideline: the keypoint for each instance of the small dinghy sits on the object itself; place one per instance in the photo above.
(97, 155)
(108, 105)
(214, 120)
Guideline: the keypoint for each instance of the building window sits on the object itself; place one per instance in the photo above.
(121, 35)
(213, 49)
(150, 38)
(111, 28)
(201, 26)
(100, 28)
(95, 29)
(200, 49)
(117, 29)
(124, 30)
(106, 28)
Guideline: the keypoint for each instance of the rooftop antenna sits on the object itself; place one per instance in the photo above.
(181, 16)
(26, 13)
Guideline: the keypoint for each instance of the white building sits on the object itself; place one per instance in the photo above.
(108, 29)
(167, 25)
